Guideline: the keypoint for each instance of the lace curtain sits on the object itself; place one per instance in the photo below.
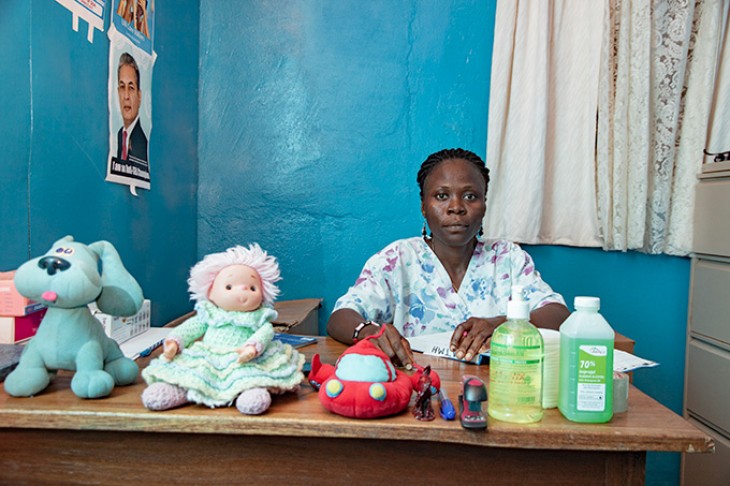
(656, 70)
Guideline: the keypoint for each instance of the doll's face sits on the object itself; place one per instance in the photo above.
(237, 288)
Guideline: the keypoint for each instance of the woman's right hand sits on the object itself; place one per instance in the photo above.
(395, 346)
(343, 322)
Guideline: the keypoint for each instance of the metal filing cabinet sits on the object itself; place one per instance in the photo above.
(707, 371)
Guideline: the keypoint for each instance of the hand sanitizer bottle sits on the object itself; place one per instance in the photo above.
(515, 366)
(586, 364)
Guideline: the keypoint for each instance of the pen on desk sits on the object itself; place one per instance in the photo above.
(446, 408)
(149, 350)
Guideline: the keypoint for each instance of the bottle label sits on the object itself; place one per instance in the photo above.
(592, 362)
(515, 374)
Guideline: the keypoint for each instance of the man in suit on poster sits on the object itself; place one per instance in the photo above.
(131, 139)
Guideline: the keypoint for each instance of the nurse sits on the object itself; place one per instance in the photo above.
(448, 279)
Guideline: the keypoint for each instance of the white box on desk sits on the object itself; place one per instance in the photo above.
(122, 329)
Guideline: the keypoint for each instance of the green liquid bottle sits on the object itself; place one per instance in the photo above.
(586, 364)
(515, 366)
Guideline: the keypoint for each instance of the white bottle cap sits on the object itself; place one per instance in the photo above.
(587, 303)
(517, 308)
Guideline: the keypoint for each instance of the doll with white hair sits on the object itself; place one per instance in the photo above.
(237, 358)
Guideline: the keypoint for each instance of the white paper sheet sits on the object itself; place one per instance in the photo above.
(438, 345)
(623, 361)
(145, 343)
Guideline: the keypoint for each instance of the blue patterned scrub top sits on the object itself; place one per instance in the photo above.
(406, 284)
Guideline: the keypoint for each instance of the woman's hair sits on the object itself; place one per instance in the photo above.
(450, 154)
(203, 274)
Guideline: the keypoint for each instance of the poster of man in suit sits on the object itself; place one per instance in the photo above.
(131, 60)
(131, 139)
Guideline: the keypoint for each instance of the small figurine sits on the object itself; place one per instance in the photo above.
(423, 410)
(237, 357)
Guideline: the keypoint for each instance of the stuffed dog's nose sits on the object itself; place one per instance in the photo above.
(52, 264)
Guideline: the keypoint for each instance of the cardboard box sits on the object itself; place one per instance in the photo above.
(298, 316)
(624, 343)
(295, 317)
(122, 329)
(9, 358)
(14, 329)
(11, 302)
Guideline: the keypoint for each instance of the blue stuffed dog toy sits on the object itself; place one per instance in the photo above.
(66, 279)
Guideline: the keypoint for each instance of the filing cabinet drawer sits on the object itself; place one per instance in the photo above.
(708, 469)
(712, 233)
(710, 302)
(708, 384)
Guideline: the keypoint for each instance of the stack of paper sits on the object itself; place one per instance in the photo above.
(143, 344)
(438, 345)
(550, 368)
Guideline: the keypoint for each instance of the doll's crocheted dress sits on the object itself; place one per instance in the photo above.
(209, 369)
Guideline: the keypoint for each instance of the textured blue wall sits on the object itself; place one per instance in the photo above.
(315, 117)
(14, 133)
(54, 138)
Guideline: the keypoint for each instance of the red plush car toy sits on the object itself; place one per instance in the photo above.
(364, 383)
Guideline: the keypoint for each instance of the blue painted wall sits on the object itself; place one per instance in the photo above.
(315, 117)
(54, 139)
(14, 133)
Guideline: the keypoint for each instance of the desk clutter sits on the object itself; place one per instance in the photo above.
(237, 347)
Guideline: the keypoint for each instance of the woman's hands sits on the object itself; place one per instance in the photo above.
(343, 322)
(471, 337)
(393, 344)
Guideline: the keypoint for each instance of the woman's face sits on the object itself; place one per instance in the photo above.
(453, 202)
(237, 288)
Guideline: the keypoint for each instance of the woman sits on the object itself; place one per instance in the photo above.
(449, 281)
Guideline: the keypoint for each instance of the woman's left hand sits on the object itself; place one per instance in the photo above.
(471, 337)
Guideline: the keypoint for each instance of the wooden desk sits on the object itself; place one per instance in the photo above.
(56, 437)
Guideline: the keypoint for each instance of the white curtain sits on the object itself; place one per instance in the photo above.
(542, 122)
(626, 99)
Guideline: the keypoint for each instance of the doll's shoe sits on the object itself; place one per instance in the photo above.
(163, 396)
(254, 401)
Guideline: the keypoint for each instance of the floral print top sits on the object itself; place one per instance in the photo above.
(406, 284)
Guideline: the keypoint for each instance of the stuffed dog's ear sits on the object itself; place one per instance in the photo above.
(120, 295)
